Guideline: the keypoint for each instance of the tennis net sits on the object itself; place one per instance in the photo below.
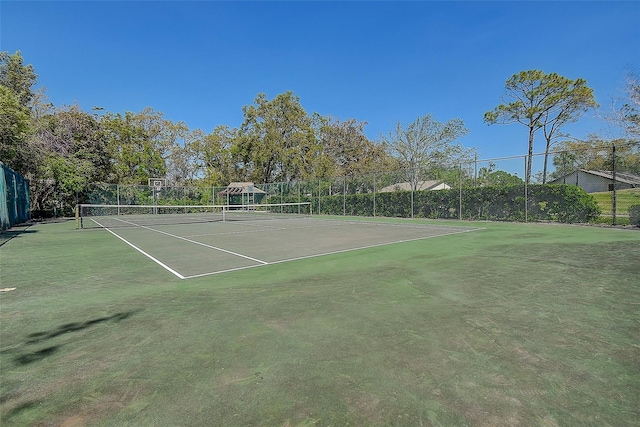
(112, 216)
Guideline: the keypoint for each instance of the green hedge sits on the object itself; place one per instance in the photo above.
(559, 203)
(634, 215)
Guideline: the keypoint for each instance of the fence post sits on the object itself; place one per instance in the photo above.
(460, 195)
(475, 169)
(374, 194)
(344, 196)
(412, 201)
(613, 176)
(526, 189)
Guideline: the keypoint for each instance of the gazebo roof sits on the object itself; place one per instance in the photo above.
(241, 188)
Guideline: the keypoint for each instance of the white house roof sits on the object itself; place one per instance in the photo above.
(625, 177)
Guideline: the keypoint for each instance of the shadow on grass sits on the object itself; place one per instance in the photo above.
(38, 337)
(23, 407)
(28, 357)
(7, 235)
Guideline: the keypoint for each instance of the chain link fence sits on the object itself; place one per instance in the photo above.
(487, 189)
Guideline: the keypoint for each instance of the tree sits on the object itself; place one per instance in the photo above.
(213, 158)
(14, 130)
(626, 110)
(138, 145)
(17, 77)
(182, 166)
(491, 176)
(276, 140)
(426, 143)
(596, 154)
(541, 101)
(16, 81)
(74, 155)
(345, 150)
(577, 99)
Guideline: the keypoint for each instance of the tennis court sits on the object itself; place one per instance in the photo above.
(189, 249)
(539, 320)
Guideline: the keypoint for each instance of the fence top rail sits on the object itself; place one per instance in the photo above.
(97, 205)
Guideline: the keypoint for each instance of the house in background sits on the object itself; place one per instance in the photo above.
(242, 193)
(598, 181)
(422, 185)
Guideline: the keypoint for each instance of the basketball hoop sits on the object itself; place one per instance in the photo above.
(157, 183)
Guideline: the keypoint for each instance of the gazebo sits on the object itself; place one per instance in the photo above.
(242, 193)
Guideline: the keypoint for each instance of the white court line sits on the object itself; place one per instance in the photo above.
(166, 267)
(320, 223)
(225, 233)
(196, 242)
(334, 252)
(261, 262)
(389, 224)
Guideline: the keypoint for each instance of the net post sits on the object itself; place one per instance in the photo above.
(77, 216)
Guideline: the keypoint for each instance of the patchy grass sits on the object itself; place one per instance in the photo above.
(624, 200)
(519, 324)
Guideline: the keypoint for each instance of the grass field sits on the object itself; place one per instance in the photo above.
(514, 324)
(624, 200)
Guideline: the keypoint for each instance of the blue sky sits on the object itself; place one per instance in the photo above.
(379, 62)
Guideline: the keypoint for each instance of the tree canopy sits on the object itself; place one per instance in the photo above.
(62, 150)
(596, 154)
(275, 142)
(16, 76)
(539, 100)
(425, 144)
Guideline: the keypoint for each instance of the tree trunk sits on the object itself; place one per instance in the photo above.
(530, 158)
(546, 158)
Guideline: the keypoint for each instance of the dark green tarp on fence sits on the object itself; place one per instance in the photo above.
(14, 198)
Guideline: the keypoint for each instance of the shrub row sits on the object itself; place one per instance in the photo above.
(559, 203)
(634, 215)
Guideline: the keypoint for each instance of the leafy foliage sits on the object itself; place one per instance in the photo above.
(136, 146)
(596, 154)
(425, 144)
(634, 215)
(276, 141)
(63, 151)
(542, 101)
(490, 176)
(560, 203)
(16, 76)
(345, 149)
(14, 129)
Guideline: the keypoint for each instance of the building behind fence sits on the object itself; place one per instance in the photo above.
(14, 198)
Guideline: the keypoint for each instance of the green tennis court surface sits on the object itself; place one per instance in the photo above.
(199, 249)
(508, 324)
